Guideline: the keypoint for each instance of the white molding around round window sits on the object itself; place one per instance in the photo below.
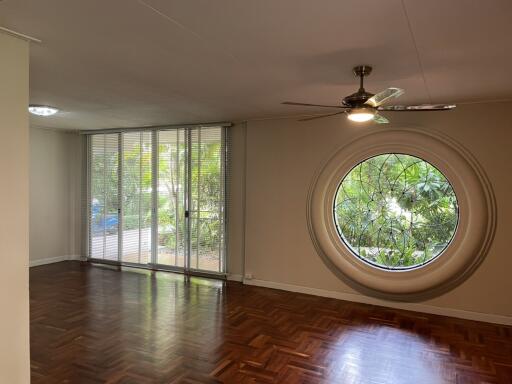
(469, 245)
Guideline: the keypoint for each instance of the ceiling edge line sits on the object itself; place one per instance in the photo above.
(20, 35)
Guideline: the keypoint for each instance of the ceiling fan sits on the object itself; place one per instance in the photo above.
(364, 106)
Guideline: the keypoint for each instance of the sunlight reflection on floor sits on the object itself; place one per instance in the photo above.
(384, 354)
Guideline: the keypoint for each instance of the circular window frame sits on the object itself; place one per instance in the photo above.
(469, 245)
(376, 265)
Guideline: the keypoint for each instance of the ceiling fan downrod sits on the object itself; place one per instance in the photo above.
(361, 71)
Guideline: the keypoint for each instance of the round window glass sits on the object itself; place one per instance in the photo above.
(396, 211)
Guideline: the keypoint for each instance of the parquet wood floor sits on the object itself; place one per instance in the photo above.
(93, 324)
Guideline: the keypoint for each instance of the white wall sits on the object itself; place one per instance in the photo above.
(14, 154)
(282, 156)
(55, 169)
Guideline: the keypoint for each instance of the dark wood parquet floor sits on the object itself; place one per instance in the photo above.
(93, 324)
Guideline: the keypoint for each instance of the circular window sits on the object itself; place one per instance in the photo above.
(403, 200)
(395, 211)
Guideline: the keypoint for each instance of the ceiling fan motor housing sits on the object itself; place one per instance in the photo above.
(357, 99)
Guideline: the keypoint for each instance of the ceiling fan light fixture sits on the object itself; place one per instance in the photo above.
(360, 115)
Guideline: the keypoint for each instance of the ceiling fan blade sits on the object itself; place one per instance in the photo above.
(312, 105)
(321, 116)
(380, 119)
(383, 96)
(413, 108)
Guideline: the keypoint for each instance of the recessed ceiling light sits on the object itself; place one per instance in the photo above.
(42, 110)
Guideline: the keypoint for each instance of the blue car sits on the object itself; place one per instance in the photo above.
(100, 222)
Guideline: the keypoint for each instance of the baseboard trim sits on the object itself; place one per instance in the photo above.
(458, 313)
(51, 260)
(235, 277)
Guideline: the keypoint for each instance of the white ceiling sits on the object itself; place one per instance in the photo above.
(125, 63)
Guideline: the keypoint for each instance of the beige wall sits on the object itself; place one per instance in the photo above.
(14, 153)
(282, 156)
(236, 202)
(55, 161)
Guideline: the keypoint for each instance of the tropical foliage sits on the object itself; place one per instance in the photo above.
(396, 211)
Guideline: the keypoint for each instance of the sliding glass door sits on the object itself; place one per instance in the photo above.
(104, 197)
(172, 198)
(136, 212)
(207, 199)
(157, 198)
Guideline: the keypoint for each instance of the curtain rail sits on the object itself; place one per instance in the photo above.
(154, 128)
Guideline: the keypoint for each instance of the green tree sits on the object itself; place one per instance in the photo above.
(396, 210)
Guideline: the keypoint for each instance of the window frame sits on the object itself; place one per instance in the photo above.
(469, 245)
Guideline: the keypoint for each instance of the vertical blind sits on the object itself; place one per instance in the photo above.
(157, 197)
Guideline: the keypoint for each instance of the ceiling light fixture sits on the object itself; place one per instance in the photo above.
(361, 115)
(42, 110)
